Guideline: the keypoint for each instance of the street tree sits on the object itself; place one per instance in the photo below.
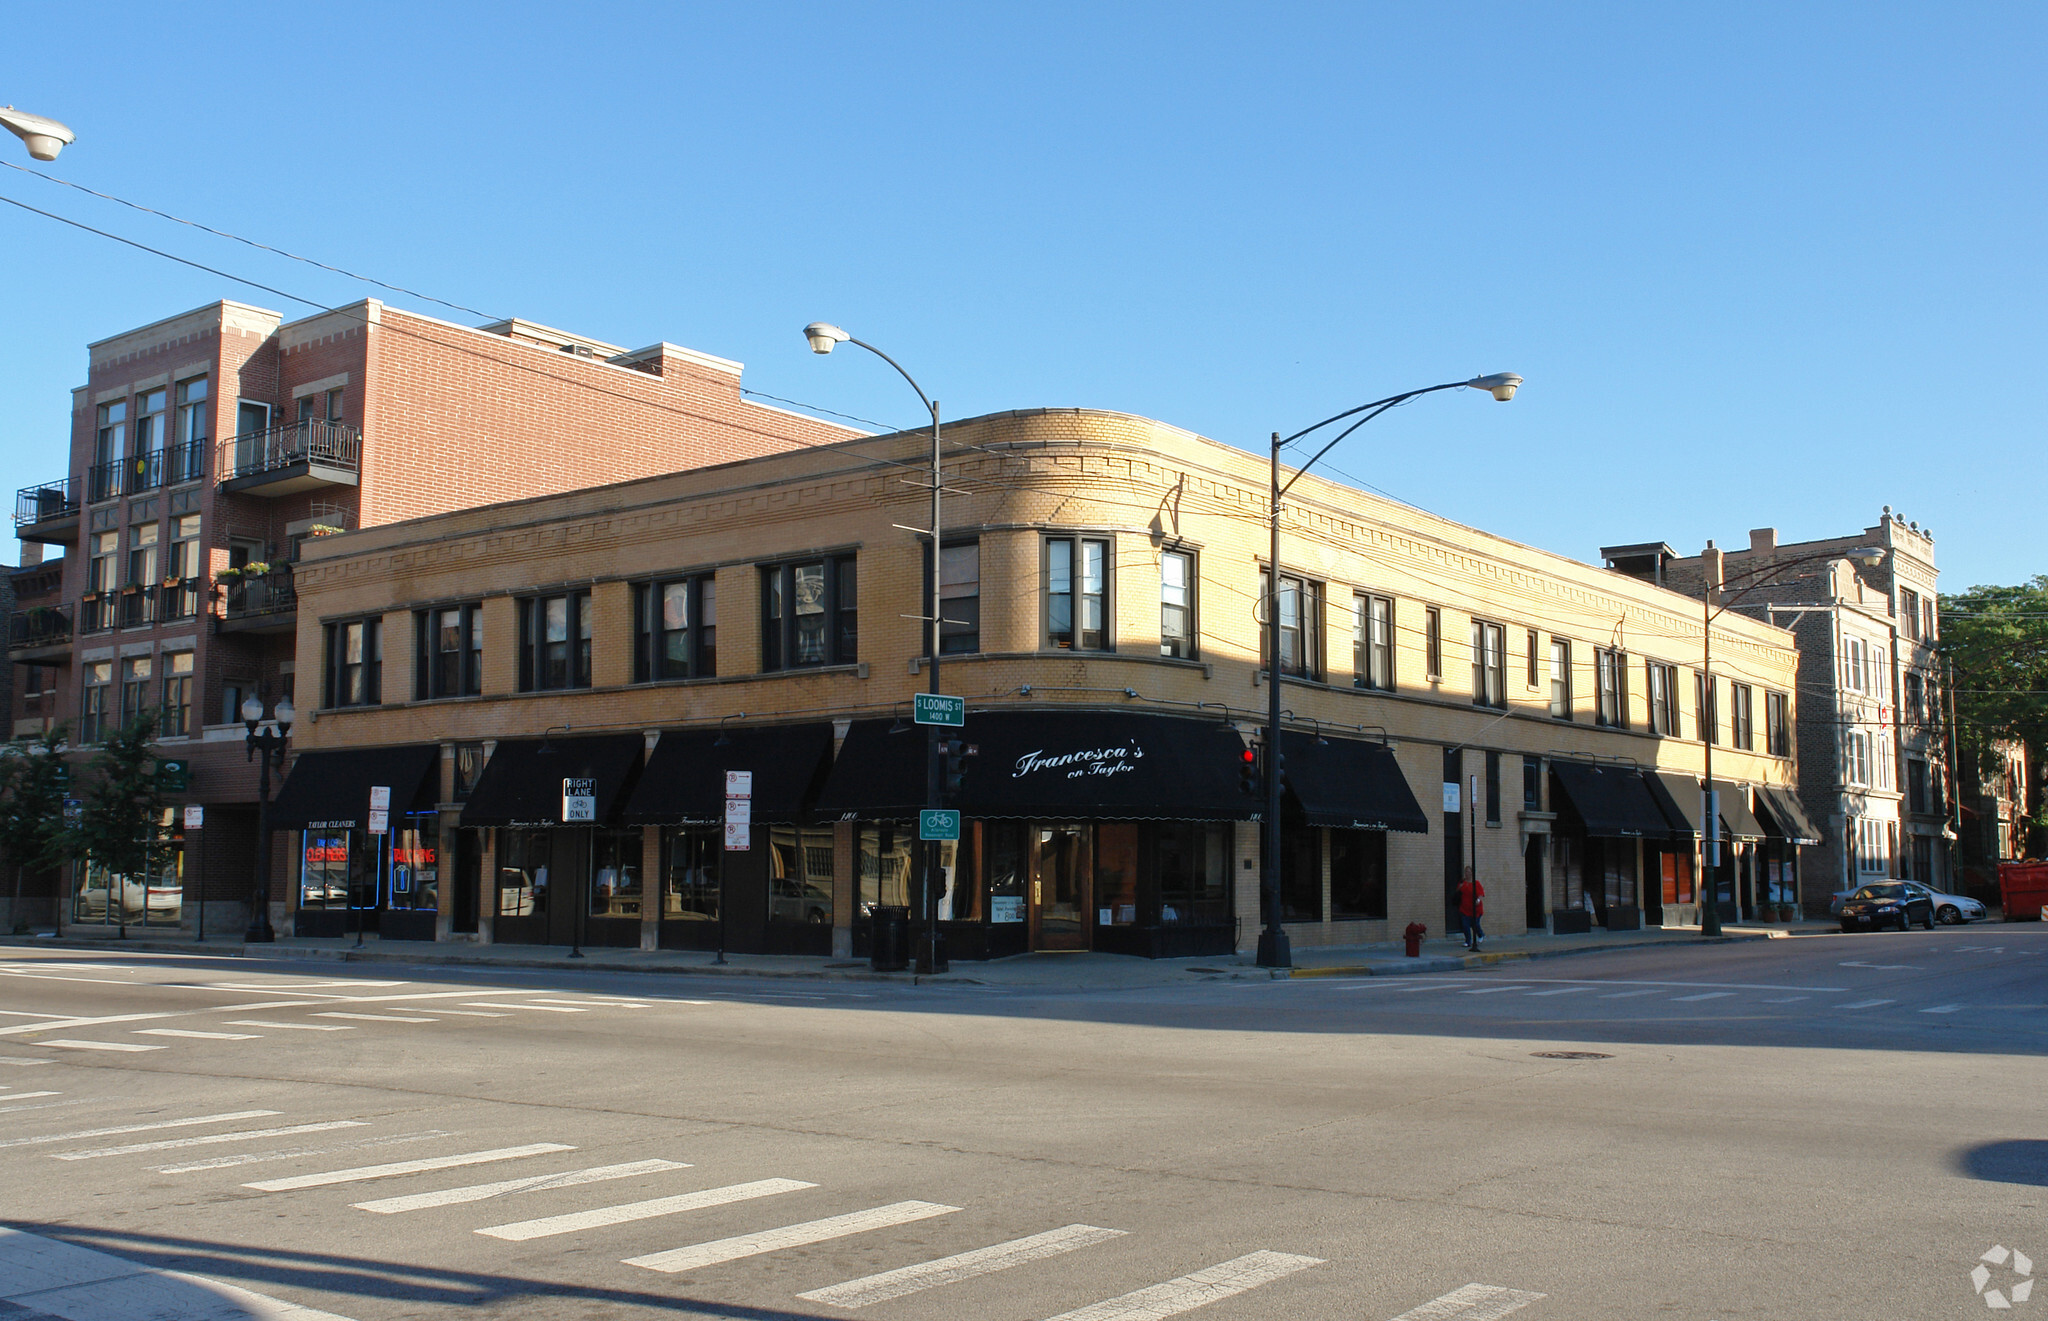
(120, 829)
(33, 833)
(1995, 640)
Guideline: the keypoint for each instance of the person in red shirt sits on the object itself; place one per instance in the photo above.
(1471, 907)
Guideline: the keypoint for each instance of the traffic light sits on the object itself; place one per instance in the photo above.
(1248, 773)
(1280, 770)
(953, 754)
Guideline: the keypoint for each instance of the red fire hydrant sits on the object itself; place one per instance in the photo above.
(1414, 934)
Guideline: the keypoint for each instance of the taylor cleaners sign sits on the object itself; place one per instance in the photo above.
(1080, 764)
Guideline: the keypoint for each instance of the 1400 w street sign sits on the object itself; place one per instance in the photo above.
(938, 709)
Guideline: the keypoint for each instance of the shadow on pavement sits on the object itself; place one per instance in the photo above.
(2022, 1160)
(361, 1277)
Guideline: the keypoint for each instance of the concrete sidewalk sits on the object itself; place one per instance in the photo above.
(1037, 972)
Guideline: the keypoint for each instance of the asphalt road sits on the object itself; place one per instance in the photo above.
(1825, 1127)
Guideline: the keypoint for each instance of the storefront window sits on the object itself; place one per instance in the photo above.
(1358, 874)
(960, 869)
(1301, 874)
(615, 874)
(323, 870)
(800, 875)
(415, 864)
(101, 897)
(1194, 873)
(885, 868)
(523, 857)
(1116, 875)
(1004, 853)
(690, 887)
(1676, 877)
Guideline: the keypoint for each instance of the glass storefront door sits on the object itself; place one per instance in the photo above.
(1061, 865)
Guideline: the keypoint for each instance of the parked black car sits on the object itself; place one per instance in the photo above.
(1891, 903)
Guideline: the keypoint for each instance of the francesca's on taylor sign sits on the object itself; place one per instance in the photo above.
(1088, 761)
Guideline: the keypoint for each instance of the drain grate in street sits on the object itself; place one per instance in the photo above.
(1569, 1055)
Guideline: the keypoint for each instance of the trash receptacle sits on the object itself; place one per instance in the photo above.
(889, 947)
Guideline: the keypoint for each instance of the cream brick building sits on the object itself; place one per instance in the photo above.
(1105, 568)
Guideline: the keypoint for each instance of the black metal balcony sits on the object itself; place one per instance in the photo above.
(289, 458)
(40, 633)
(47, 512)
(97, 611)
(266, 603)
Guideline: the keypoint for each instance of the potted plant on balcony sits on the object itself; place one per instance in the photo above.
(324, 530)
(255, 568)
(228, 575)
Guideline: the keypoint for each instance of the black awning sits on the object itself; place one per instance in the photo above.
(331, 790)
(1350, 784)
(1611, 801)
(1679, 798)
(1056, 765)
(685, 775)
(1736, 818)
(521, 784)
(1785, 817)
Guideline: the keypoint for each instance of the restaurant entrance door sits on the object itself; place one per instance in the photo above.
(1062, 860)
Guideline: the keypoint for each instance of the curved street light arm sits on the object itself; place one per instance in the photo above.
(899, 369)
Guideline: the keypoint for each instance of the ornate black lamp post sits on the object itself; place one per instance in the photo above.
(269, 742)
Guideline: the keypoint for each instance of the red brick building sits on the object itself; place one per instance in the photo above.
(207, 447)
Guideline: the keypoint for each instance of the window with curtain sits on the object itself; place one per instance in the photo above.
(1489, 664)
(1177, 605)
(554, 642)
(1662, 692)
(1372, 642)
(451, 652)
(1300, 603)
(355, 663)
(675, 628)
(809, 614)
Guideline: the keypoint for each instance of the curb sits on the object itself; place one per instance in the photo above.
(1460, 962)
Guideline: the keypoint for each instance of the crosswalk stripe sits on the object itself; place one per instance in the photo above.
(294, 1153)
(376, 1018)
(539, 1009)
(1493, 990)
(1937, 1009)
(27, 1096)
(788, 1236)
(191, 1032)
(23, 1060)
(208, 1139)
(230, 1117)
(962, 1266)
(1627, 995)
(626, 1212)
(1562, 990)
(296, 1027)
(1788, 1000)
(52, 1025)
(1704, 995)
(591, 1004)
(1473, 1302)
(360, 1173)
(129, 1046)
(1191, 1291)
(477, 1192)
(470, 1013)
(1866, 1004)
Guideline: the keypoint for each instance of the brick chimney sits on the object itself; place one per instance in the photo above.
(1711, 564)
(1763, 540)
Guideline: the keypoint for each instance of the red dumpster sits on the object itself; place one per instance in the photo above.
(2022, 890)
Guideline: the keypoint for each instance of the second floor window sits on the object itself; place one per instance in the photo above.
(960, 598)
(177, 703)
(195, 428)
(1854, 672)
(1777, 725)
(809, 614)
(1177, 605)
(142, 554)
(93, 713)
(111, 442)
(1707, 706)
(1560, 679)
(1856, 759)
(1742, 715)
(1077, 593)
(1916, 697)
(1372, 642)
(1662, 692)
(1916, 785)
(675, 629)
(1610, 675)
(1433, 642)
(1489, 664)
(136, 673)
(1300, 605)
(554, 642)
(450, 662)
(355, 664)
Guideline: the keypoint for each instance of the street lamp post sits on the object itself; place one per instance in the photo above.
(1710, 824)
(1273, 944)
(823, 336)
(45, 137)
(268, 745)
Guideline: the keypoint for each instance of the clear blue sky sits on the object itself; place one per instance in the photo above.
(1761, 264)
